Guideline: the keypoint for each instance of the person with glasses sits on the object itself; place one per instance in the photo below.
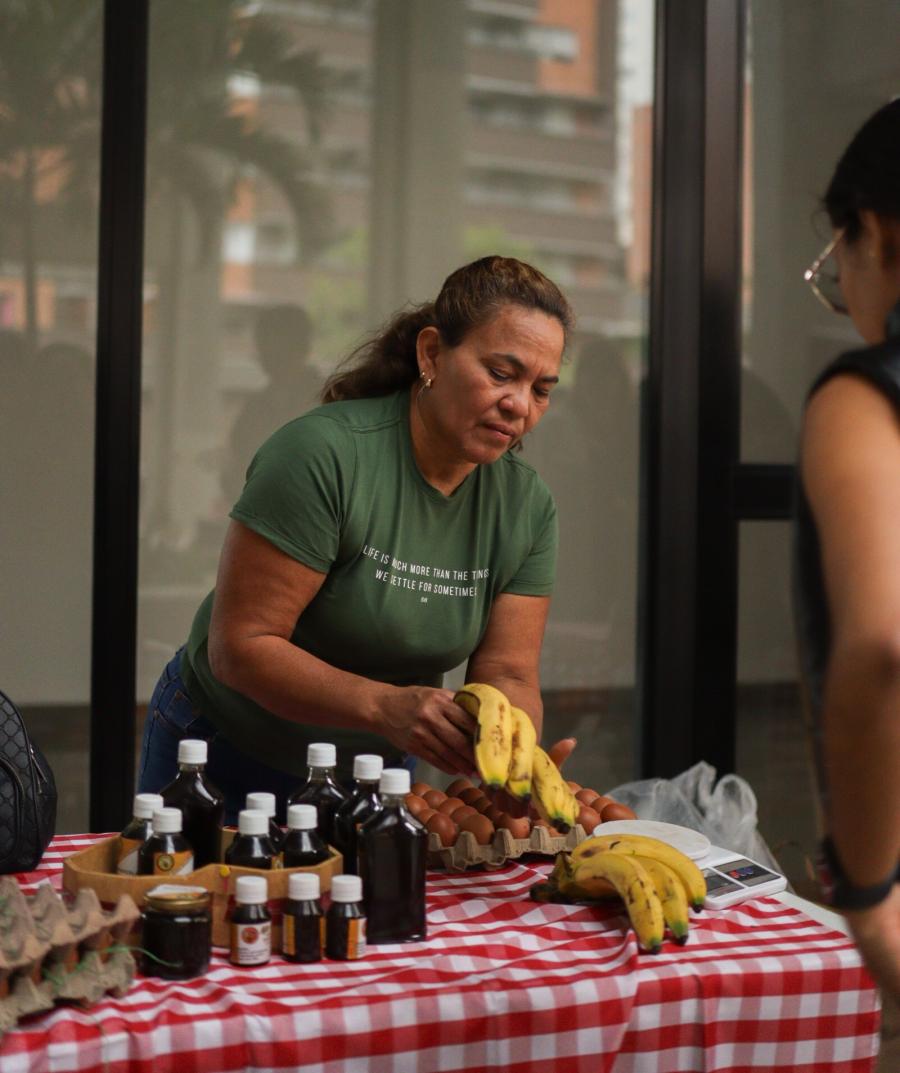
(847, 547)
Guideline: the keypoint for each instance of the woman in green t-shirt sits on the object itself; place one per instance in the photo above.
(381, 540)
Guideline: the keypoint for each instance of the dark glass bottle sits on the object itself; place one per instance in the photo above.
(302, 845)
(345, 924)
(392, 850)
(252, 847)
(177, 932)
(166, 852)
(250, 922)
(320, 788)
(136, 833)
(202, 805)
(303, 925)
(363, 803)
(265, 802)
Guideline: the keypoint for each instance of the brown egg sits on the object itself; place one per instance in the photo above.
(470, 795)
(599, 803)
(574, 786)
(434, 797)
(459, 814)
(588, 818)
(616, 811)
(425, 816)
(518, 826)
(416, 805)
(419, 788)
(449, 804)
(493, 813)
(453, 790)
(585, 796)
(483, 804)
(443, 827)
(480, 826)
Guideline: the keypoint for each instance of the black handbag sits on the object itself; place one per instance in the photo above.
(27, 794)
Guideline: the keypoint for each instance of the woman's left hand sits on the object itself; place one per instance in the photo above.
(559, 754)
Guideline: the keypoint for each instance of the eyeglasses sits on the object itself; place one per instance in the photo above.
(823, 279)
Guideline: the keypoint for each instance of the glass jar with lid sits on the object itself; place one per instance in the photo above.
(177, 932)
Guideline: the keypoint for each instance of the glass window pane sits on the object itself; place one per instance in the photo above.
(815, 70)
(49, 156)
(314, 166)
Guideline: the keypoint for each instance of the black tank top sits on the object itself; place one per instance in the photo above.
(880, 366)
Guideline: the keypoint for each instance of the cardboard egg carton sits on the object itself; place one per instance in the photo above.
(51, 951)
(467, 853)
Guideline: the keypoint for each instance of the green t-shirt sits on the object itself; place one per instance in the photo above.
(412, 573)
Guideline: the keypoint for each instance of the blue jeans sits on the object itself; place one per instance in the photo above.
(172, 716)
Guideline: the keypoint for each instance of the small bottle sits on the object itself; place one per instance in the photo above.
(177, 932)
(345, 924)
(364, 803)
(201, 804)
(392, 850)
(303, 925)
(252, 847)
(136, 833)
(251, 922)
(320, 788)
(166, 852)
(302, 845)
(265, 802)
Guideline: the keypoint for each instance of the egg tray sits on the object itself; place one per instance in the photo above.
(466, 852)
(60, 951)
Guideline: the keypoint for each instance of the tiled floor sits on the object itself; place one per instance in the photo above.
(772, 756)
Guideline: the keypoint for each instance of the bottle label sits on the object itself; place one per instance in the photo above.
(251, 944)
(127, 856)
(356, 938)
(173, 864)
(288, 935)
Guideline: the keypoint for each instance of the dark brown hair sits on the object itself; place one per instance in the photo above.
(469, 298)
(868, 174)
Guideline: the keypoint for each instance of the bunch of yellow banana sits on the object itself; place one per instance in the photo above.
(657, 883)
(507, 755)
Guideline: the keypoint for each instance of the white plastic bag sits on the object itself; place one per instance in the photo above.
(725, 811)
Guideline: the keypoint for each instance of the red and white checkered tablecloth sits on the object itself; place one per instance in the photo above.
(501, 984)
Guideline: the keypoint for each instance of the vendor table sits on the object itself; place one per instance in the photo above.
(502, 983)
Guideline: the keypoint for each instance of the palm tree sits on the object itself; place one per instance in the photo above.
(49, 86)
(204, 135)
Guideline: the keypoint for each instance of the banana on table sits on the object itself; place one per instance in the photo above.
(508, 756)
(657, 883)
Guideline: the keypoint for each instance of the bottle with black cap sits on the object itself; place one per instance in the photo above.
(364, 803)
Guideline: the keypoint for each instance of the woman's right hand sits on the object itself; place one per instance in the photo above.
(429, 724)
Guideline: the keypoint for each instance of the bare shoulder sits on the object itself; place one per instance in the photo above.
(849, 426)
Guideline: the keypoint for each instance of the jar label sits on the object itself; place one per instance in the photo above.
(127, 856)
(173, 864)
(251, 944)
